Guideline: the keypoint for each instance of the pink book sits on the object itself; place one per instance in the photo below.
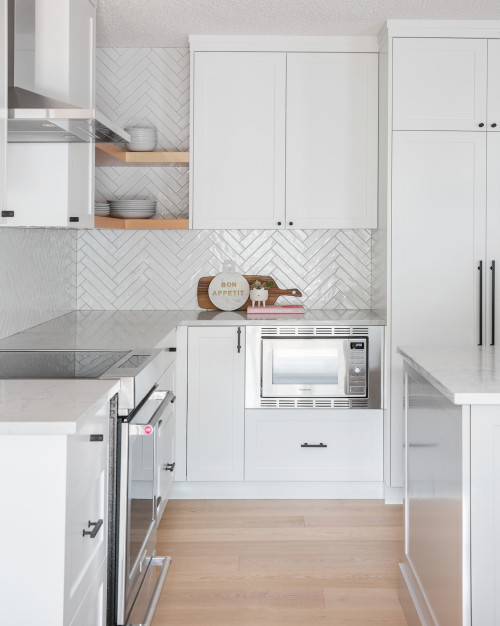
(286, 308)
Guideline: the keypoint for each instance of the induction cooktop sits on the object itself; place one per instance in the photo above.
(57, 364)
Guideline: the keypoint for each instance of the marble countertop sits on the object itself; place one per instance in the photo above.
(126, 330)
(50, 407)
(463, 374)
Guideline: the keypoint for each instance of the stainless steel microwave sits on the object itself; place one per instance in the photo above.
(316, 367)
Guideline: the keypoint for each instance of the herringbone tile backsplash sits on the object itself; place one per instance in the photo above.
(160, 269)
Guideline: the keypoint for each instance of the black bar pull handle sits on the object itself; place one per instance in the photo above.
(169, 467)
(96, 437)
(492, 268)
(480, 268)
(97, 527)
(7, 213)
(238, 347)
(313, 445)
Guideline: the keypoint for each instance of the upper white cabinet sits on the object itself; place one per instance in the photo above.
(3, 104)
(238, 156)
(284, 139)
(446, 84)
(52, 184)
(331, 147)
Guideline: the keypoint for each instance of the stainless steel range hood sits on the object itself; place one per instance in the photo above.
(33, 117)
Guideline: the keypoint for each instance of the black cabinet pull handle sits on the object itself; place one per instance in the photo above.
(480, 268)
(96, 437)
(492, 268)
(7, 213)
(173, 400)
(74, 219)
(313, 445)
(169, 467)
(494, 125)
(290, 223)
(238, 347)
(172, 349)
(97, 527)
(279, 223)
(481, 125)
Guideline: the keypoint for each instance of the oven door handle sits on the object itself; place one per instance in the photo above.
(166, 401)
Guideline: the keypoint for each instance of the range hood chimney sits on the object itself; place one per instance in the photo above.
(33, 117)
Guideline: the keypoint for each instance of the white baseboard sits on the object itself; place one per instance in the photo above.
(393, 495)
(278, 490)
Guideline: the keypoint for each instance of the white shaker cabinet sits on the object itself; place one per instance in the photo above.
(331, 146)
(58, 62)
(238, 153)
(215, 418)
(446, 84)
(438, 240)
(3, 104)
(55, 524)
(284, 139)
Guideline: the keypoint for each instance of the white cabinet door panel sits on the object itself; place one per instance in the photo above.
(332, 128)
(493, 240)
(238, 156)
(439, 84)
(215, 423)
(494, 85)
(438, 239)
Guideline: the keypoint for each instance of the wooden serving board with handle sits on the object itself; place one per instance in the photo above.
(274, 293)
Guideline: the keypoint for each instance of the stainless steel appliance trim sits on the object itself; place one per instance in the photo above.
(253, 373)
(121, 558)
(164, 563)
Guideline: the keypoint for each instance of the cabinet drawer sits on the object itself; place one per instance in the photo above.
(92, 611)
(84, 448)
(285, 445)
(84, 554)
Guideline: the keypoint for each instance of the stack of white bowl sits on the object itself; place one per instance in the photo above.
(141, 139)
(133, 209)
(101, 209)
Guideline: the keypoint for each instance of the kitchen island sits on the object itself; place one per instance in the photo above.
(451, 571)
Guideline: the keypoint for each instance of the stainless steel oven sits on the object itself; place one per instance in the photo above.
(138, 567)
(317, 367)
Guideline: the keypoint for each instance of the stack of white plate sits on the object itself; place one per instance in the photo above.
(141, 139)
(101, 209)
(133, 209)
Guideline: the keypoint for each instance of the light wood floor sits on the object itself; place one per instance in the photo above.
(281, 562)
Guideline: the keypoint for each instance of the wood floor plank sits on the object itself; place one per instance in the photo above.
(242, 521)
(270, 617)
(277, 562)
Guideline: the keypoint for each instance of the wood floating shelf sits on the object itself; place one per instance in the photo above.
(140, 224)
(111, 155)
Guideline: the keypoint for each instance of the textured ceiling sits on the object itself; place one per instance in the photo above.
(167, 23)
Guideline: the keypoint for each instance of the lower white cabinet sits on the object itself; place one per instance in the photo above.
(215, 419)
(53, 527)
(301, 445)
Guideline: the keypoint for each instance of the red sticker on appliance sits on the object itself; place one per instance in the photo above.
(148, 430)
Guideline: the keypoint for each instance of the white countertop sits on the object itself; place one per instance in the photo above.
(50, 407)
(464, 374)
(126, 330)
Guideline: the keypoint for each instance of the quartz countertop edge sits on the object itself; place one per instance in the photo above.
(127, 330)
(50, 407)
(463, 374)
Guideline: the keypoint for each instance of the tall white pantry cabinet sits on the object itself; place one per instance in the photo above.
(440, 178)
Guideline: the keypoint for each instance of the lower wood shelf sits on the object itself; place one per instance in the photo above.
(109, 155)
(141, 224)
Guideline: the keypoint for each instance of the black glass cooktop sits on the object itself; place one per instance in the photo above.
(57, 364)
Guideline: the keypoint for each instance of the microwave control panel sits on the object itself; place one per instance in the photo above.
(357, 366)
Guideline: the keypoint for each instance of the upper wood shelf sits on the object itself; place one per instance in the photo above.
(110, 155)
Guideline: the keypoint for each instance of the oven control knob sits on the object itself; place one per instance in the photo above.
(357, 370)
